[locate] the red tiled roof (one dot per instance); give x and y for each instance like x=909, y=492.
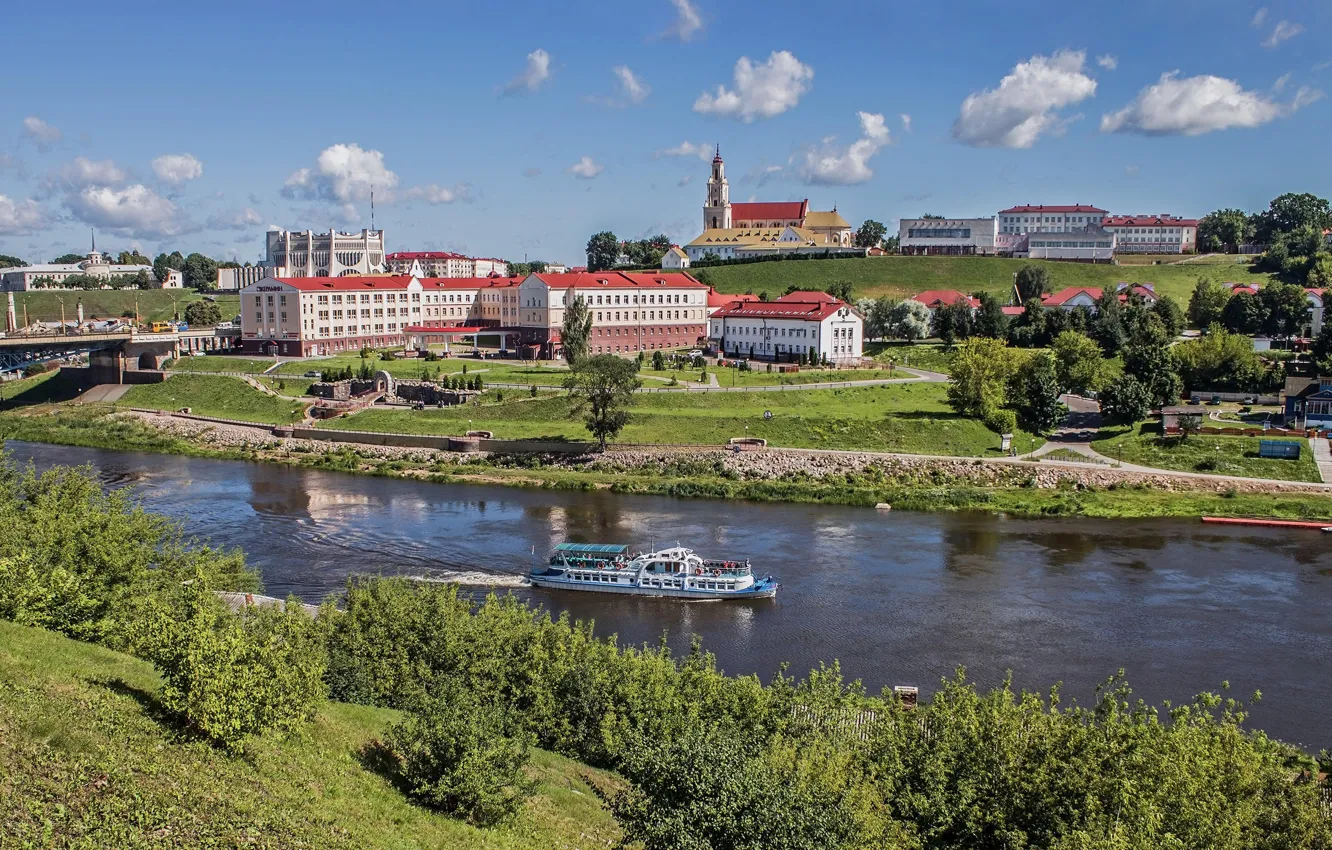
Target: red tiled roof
x=770, y=210
x=425, y=255
x=782, y=308
x=934, y=297
x=1246, y=288
x=717, y=299
x=1013, y=311
x=1038, y=208
x=620, y=280
x=809, y=295
x=1148, y=221
x=468, y=282
x=1063, y=296
x=366, y=282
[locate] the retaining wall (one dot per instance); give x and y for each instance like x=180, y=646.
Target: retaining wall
x=441, y=443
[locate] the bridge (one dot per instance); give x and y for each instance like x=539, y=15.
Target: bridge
x=111, y=350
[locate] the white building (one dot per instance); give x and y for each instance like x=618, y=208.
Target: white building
x=795, y=324
x=1040, y=218
x=675, y=258
x=1093, y=244
x=947, y=235
x=489, y=266
x=333, y=254
x=52, y=275
x=236, y=279
x=432, y=263
x=1153, y=234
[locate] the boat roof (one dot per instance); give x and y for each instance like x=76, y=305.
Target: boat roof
x=593, y=548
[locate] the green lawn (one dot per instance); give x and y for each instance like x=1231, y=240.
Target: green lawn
x=1216, y=455
x=285, y=385
x=409, y=368
x=221, y=363
x=214, y=395
x=910, y=418
x=929, y=356
x=88, y=760
x=901, y=277
x=154, y=305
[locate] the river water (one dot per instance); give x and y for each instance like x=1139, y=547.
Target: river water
x=899, y=598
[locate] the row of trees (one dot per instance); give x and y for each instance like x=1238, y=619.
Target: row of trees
x=1292, y=229
x=604, y=251
x=1277, y=309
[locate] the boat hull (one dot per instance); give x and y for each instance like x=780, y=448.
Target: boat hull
x=761, y=591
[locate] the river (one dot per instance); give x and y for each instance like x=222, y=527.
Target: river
x=898, y=598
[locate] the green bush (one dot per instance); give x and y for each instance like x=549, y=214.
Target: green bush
x=1001, y=420
x=229, y=676
x=458, y=756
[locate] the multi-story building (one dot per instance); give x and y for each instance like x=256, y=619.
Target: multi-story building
x=237, y=278
x=1153, y=234
x=947, y=235
x=796, y=324
x=1088, y=244
x=333, y=254
x=630, y=311
x=1039, y=218
x=431, y=263
x=52, y=275
x=489, y=267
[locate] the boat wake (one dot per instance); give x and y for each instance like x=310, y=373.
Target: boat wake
x=472, y=578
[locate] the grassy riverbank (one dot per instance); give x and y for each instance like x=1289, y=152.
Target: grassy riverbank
x=214, y=395
x=1144, y=445
x=684, y=478
x=89, y=761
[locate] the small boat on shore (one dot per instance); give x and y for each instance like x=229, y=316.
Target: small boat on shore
x=676, y=573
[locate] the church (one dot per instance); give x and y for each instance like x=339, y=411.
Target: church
x=765, y=228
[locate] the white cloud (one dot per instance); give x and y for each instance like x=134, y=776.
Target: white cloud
x=435, y=194
x=239, y=220
x=19, y=216
x=1280, y=82
x=846, y=166
x=176, y=168
x=344, y=173
x=1023, y=107
x=761, y=91
x=535, y=72
x=586, y=168
x=1108, y=61
x=687, y=21
x=685, y=180
x=43, y=134
x=1258, y=18
x=135, y=209
x=1130, y=170
x=87, y=172
x=702, y=151
x=1283, y=31
x=1196, y=105
x=1323, y=66
x=906, y=122
x=631, y=86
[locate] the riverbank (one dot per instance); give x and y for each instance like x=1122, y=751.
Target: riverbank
x=906, y=482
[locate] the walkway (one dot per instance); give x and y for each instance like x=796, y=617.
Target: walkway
x=1322, y=453
x=104, y=393
x=1076, y=433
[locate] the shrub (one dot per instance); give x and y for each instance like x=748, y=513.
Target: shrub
x=228, y=676
x=387, y=356
x=459, y=757
x=1001, y=420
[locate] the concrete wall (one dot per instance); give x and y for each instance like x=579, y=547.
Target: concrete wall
x=441, y=443
x=86, y=376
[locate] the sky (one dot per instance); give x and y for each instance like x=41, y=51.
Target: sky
x=517, y=129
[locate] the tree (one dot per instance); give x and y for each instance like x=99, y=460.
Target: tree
x=576, y=332
x=1291, y=212
x=200, y=272
x=978, y=377
x=1285, y=309
x=1107, y=327
x=65, y=259
x=879, y=317
x=1078, y=363
x=1221, y=360
x=1224, y=231
x=132, y=258
x=1035, y=394
x=603, y=249
x=1148, y=358
x=870, y=234
x=909, y=320
x=163, y=263
x=839, y=289
x=1244, y=314
x=1207, y=302
x=1172, y=318
x=8, y=261
x=989, y=320
x=1029, y=330
x=951, y=322
x=202, y=313
x=1032, y=282
x=1320, y=272
x=1125, y=400
x=892, y=243
x=462, y=757
x=1188, y=423
x=602, y=388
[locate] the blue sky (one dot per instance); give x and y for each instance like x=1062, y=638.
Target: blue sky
x=505, y=129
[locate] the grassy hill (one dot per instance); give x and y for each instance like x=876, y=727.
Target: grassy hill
x=902, y=277
x=155, y=305
x=214, y=395
x=87, y=760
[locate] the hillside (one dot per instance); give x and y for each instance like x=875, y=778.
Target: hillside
x=902, y=277
x=155, y=305
x=87, y=761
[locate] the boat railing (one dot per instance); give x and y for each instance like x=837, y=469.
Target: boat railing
x=738, y=568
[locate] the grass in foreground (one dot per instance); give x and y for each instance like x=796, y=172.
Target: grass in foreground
x=910, y=418
x=1215, y=455
x=88, y=761
x=214, y=395
x=220, y=363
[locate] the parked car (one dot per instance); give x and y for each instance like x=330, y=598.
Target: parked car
x=1216, y=399
x=313, y=374
x=224, y=326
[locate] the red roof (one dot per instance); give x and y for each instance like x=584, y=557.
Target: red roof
x=1148, y=221
x=770, y=210
x=786, y=307
x=468, y=282
x=425, y=255
x=934, y=297
x=428, y=329
x=1246, y=288
x=1063, y=296
x=620, y=280
x=1038, y=208
x=366, y=282
x=717, y=299
x=1013, y=311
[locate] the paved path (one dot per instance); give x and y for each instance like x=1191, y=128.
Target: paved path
x=1322, y=453
x=104, y=393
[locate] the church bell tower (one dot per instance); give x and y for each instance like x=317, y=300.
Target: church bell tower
x=717, y=211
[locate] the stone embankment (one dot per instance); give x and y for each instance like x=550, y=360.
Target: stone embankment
x=763, y=465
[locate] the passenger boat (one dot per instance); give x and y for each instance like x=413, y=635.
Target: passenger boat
x=676, y=573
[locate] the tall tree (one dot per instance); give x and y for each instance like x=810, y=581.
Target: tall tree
x=163, y=263
x=951, y=322
x=1125, y=400
x=1148, y=358
x=200, y=272
x=602, y=387
x=1078, y=362
x=1207, y=302
x=1172, y=318
x=1107, y=327
x=989, y=319
x=1290, y=212
x=1032, y=282
x=870, y=233
x=879, y=317
x=1035, y=394
x=1224, y=231
x=909, y=320
x=69, y=258
x=978, y=376
x=602, y=251
x=7, y=261
x=1285, y=307
x=1244, y=314
x=577, y=329
x=202, y=313
x=132, y=258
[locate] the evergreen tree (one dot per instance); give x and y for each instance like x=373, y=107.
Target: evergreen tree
x=989, y=320
x=576, y=333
